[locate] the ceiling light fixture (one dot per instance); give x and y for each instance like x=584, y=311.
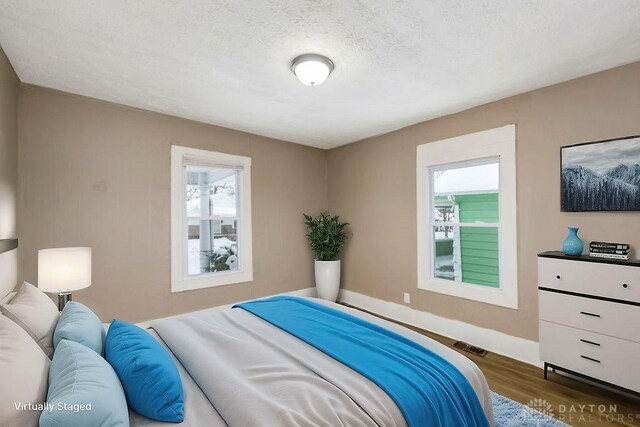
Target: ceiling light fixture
x=311, y=69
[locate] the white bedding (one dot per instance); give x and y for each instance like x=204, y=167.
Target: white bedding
x=197, y=408
x=256, y=374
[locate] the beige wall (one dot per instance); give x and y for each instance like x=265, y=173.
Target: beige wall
x=98, y=174
x=9, y=85
x=372, y=184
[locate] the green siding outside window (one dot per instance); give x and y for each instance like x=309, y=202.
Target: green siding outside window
x=479, y=245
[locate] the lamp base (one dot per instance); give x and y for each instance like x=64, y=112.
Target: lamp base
x=63, y=299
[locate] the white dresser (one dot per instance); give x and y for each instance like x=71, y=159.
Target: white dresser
x=589, y=311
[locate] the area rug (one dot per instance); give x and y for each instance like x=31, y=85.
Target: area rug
x=509, y=413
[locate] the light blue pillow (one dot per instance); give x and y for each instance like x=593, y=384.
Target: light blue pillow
x=148, y=375
x=83, y=390
x=79, y=324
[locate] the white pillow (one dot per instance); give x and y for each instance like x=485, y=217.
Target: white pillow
x=23, y=369
x=8, y=297
x=34, y=312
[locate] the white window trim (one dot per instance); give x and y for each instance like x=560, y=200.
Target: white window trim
x=498, y=142
x=179, y=228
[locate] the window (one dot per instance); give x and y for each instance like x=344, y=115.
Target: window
x=210, y=219
x=467, y=217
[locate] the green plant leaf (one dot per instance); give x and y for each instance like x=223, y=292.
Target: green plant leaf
x=326, y=234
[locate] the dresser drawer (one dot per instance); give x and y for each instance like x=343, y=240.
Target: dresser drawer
x=592, y=278
x=599, y=356
x=608, y=318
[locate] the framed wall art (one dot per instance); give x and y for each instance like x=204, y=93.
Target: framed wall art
x=601, y=175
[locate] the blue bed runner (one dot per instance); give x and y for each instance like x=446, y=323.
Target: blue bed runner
x=428, y=390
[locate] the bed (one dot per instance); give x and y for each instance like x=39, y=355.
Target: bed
x=240, y=370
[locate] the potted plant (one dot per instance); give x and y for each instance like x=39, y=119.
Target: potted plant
x=327, y=237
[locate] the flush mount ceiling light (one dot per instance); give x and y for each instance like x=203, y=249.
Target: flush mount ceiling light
x=312, y=69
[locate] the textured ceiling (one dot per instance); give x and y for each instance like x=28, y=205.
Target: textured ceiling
x=398, y=62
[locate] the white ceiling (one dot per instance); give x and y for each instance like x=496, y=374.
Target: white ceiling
x=398, y=62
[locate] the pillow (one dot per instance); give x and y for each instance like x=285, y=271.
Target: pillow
x=8, y=297
x=23, y=373
x=83, y=390
x=150, y=378
x=34, y=312
x=79, y=324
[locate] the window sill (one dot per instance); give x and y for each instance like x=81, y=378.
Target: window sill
x=479, y=293
x=210, y=281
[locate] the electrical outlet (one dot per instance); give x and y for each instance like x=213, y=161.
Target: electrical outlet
x=407, y=298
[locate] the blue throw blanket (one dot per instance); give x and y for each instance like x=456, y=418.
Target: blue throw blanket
x=428, y=390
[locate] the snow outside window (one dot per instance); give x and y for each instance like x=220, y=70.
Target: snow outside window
x=465, y=222
x=211, y=219
x=467, y=217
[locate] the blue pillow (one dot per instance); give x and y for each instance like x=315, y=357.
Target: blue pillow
x=150, y=379
x=79, y=324
x=83, y=390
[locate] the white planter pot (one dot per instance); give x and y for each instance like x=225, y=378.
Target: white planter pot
x=328, y=279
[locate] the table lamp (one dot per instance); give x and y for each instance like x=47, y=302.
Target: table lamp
x=64, y=270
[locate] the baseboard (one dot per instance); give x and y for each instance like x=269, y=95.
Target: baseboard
x=507, y=345
x=306, y=292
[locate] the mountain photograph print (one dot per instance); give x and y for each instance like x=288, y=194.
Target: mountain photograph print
x=601, y=176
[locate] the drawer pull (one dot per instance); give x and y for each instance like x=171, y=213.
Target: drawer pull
x=590, y=342
x=558, y=277
x=589, y=358
x=624, y=285
x=589, y=314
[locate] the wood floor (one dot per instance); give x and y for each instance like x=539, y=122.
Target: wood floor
x=575, y=402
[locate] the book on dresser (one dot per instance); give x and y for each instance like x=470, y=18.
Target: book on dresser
x=609, y=255
x=589, y=312
x=610, y=250
x=609, y=245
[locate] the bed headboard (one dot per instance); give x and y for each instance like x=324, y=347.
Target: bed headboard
x=8, y=265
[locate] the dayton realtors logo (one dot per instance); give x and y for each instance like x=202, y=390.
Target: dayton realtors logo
x=538, y=409
x=595, y=413
x=598, y=414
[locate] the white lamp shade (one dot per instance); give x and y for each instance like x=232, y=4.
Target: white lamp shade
x=64, y=269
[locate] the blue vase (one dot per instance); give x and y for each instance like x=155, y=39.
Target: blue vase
x=572, y=245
